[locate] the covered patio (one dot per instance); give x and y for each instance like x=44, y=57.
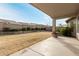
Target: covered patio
x=58, y=11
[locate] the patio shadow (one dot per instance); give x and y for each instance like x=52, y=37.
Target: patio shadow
x=70, y=46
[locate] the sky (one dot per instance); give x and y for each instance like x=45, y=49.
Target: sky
x=21, y=12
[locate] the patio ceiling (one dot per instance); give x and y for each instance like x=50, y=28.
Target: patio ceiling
x=58, y=10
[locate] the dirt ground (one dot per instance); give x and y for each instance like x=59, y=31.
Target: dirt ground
x=12, y=43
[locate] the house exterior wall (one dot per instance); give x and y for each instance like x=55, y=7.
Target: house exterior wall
x=72, y=23
x=15, y=26
x=12, y=26
x=1, y=26
x=77, y=27
x=75, y=23
x=18, y=26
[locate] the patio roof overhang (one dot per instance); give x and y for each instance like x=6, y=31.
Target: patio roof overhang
x=58, y=10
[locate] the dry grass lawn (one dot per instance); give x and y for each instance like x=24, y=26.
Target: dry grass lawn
x=12, y=43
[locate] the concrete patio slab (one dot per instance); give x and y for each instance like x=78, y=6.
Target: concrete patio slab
x=61, y=46
x=51, y=47
x=26, y=52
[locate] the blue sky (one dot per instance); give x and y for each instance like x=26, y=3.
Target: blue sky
x=25, y=13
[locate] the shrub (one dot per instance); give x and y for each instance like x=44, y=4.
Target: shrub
x=23, y=29
x=36, y=28
x=13, y=30
x=66, y=31
x=42, y=28
x=28, y=28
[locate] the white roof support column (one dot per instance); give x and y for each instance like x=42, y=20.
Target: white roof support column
x=54, y=28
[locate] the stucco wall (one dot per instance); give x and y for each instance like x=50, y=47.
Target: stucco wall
x=72, y=23
x=14, y=25
x=77, y=27
x=1, y=26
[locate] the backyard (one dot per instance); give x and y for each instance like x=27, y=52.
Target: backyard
x=13, y=43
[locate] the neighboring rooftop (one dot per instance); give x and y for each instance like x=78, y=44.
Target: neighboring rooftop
x=20, y=23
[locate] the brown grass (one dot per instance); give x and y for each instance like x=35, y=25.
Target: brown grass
x=12, y=43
